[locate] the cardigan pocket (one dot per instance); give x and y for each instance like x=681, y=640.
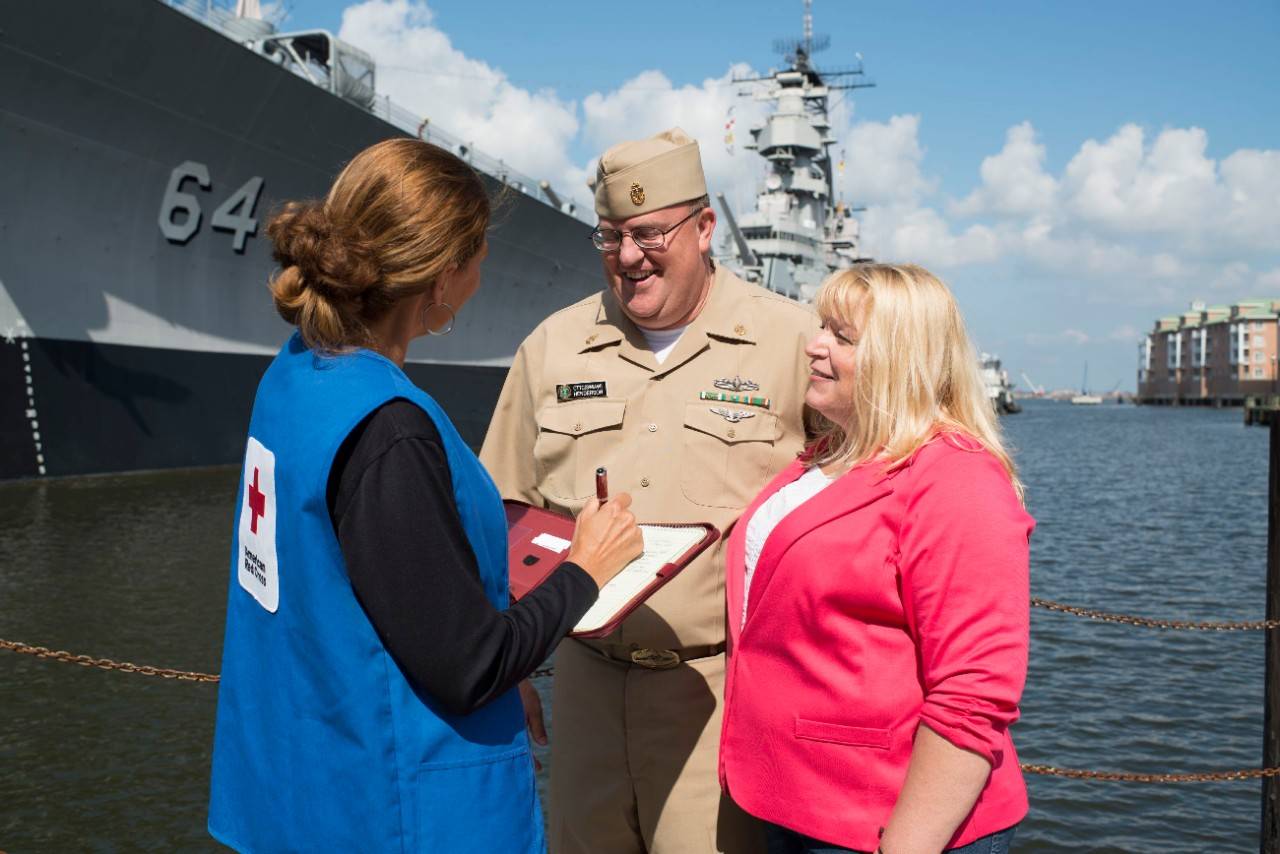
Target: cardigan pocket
x=853, y=736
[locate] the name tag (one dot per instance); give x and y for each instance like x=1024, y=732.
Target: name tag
x=577, y=391
x=258, y=570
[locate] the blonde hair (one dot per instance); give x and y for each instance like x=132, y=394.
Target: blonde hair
x=917, y=377
x=401, y=213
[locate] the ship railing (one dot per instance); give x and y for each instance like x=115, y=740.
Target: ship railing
x=423, y=128
x=242, y=30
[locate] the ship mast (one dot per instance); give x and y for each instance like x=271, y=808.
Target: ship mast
x=798, y=232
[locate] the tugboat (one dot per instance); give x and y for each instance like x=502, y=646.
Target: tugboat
x=1084, y=398
x=999, y=390
x=798, y=233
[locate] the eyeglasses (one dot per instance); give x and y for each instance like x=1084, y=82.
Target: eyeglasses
x=644, y=236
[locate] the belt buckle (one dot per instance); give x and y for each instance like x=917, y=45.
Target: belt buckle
x=655, y=659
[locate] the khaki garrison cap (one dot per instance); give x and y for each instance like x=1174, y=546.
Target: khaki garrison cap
x=648, y=174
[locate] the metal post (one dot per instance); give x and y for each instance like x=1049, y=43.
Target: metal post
x=1270, y=837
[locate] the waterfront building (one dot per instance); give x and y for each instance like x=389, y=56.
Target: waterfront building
x=1211, y=355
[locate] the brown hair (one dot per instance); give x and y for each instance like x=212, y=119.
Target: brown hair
x=401, y=213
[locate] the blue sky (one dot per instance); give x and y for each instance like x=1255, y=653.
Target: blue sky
x=1132, y=149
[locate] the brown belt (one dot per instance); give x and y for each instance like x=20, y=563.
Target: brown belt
x=656, y=659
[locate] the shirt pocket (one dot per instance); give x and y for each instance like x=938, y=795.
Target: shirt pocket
x=573, y=439
x=725, y=463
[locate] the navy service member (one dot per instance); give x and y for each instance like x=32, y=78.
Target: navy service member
x=687, y=384
x=368, y=696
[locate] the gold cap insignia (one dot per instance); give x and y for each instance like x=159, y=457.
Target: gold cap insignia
x=637, y=195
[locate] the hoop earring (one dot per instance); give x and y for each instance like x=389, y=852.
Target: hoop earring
x=452, y=318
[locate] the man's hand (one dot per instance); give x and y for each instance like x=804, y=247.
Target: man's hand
x=533, y=717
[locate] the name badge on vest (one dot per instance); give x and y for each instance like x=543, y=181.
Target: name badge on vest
x=258, y=571
x=577, y=391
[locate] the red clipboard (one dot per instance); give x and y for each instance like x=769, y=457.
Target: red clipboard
x=537, y=543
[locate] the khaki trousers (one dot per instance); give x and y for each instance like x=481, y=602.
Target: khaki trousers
x=634, y=758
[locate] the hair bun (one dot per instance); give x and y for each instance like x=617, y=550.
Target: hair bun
x=334, y=261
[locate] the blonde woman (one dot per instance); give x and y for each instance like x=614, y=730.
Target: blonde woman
x=878, y=595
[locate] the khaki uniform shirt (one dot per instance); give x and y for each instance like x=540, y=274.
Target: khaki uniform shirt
x=584, y=391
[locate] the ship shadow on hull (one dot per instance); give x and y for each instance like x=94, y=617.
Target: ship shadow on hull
x=110, y=408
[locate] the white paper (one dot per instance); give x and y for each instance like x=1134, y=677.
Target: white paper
x=551, y=542
x=662, y=545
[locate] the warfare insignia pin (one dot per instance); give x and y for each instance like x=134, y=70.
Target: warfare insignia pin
x=637, y=195
x=737, y=384
x=733, y=416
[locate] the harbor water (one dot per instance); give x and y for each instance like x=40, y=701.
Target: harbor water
x=1149, y=511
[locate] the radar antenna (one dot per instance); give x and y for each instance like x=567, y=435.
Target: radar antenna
x=798, y=51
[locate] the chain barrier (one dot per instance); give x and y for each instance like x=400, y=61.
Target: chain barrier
x=1129, y=777
x=143, y=669
x=1043, y=770
x=106, y=663
x=1149, y=623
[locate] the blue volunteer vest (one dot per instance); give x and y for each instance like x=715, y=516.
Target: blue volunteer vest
x=321, y=742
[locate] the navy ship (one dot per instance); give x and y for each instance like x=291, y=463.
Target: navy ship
x=144, y=144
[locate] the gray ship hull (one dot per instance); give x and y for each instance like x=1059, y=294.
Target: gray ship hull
x=125, y=349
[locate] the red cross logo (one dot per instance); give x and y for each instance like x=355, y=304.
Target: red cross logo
x=257, y=502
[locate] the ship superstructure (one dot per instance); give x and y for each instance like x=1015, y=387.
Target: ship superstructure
x=799, y=231
x=996, y=381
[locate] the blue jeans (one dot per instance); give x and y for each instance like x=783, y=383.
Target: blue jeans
x=781, y=840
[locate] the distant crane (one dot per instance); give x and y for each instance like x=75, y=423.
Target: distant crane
x=1037, y=390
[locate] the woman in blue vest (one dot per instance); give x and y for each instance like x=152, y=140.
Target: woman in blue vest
x=368, y=696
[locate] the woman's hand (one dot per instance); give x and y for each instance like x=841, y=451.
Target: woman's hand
x=606, y=538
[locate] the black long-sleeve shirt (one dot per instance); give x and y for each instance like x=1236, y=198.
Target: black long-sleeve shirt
x=390, y=498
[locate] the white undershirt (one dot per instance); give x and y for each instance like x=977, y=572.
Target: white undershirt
x=773, y=511
x=663, y=341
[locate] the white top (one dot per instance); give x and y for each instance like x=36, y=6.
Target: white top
x=663, y=341
x=773, y=511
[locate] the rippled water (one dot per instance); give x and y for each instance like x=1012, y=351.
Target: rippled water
x=1162, y=513
x=1151, y=511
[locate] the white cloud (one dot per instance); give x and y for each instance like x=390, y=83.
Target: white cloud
x=1056, y=339
x=1252, y=185
x=1233, y=277
x=922, y=235
x=419, y=68
x=1269, y=282
x=1172, y=189
x=884, y=162
x=1013, y=181
x=1124, y=333
x=649, y=102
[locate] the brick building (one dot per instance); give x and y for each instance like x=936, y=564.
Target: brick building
x=1211, y=355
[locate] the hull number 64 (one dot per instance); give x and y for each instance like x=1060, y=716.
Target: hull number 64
x=180, y=212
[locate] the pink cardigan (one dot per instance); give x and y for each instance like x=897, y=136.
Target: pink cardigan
x=884, y=602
